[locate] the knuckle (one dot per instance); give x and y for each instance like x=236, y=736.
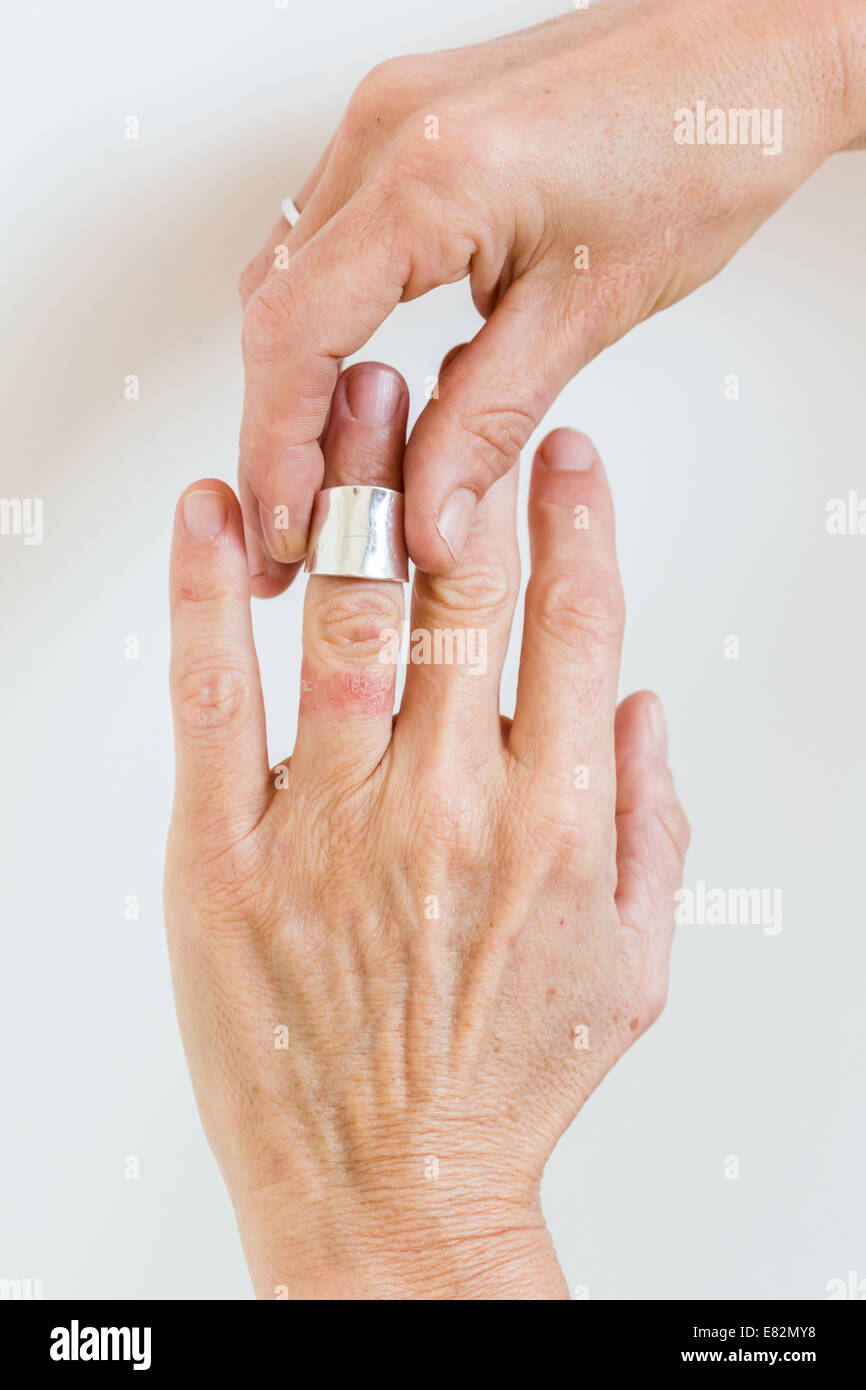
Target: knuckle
x=225, y=890
x=675, y=824
x=351, y=621
x=563, y=839
x=483, y=590
x=653, y=999
x=431, y=235
x=447, y=821
x=386, y=88
x=200, y=593
x=556, y=840
x=608, y=306
x=659, y=821
x=211, y=697
x=271, y=314
x=412, y=165
x=645, y=982
x=582, y=608
x=501, y=434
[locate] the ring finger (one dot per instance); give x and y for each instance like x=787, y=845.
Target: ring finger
x=347, y=681
x=280, y=234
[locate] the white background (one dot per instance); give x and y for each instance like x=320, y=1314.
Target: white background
x=122, y=257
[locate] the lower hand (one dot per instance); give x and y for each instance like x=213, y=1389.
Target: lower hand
x=404, y=959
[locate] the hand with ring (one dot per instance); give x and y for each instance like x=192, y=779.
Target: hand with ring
x=568, y=172
x=405, y=956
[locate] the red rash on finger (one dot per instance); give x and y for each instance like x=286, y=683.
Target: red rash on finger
x=359, y=690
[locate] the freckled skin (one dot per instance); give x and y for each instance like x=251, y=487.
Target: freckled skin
x=402, y=966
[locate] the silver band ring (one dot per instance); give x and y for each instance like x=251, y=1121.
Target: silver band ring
x=358, y=532
x=290, y=212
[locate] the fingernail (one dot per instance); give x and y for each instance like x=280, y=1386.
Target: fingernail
x=659, y=728
x=282, y=541
x=205, y=514
x=373, y=395
x=257, y=561
x=455, y=518
x=567, y=449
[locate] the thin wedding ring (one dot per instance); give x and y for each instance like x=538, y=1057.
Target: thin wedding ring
x=290, y=212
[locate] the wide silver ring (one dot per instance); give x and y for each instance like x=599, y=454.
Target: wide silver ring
x=289, y=211
x=358, y=532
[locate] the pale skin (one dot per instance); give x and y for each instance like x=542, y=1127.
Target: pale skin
x=557, y=138
x=405, y=957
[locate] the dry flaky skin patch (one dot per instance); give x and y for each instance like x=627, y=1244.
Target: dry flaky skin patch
x=357, y=689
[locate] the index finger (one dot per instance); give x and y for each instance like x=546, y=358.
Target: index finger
x=222, y=784
x=298, y=327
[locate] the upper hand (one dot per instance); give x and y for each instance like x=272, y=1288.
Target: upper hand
x=555, y=182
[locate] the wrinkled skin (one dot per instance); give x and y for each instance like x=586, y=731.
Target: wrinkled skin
x=405, y=957
x=548, y=140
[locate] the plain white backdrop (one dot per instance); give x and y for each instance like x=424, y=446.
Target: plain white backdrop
x=121, y=257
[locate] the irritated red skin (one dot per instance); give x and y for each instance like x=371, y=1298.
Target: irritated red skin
x=358, y=690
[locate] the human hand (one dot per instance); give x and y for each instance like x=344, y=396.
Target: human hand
x=556, y=183
x=404, y=960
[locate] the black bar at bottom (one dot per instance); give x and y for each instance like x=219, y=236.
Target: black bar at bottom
x=70, y=1337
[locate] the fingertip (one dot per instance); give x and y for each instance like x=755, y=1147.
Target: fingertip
x=365, y=437
x=451, y=355
x=285, y=538
x=206, y=510
x=208, y=553
x=658, y=727
x=454, y=520
x=566, y=449
x=652, y=829
x=267, y=575
x=374, y=393
x=207, y=550
x=278, y=480
x=641, y=728
x=436, y=541
x=568, y=476
x=211, y=485
x=271, y=582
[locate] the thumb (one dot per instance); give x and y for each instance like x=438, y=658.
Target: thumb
x=490, y=397
x=652, y=837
